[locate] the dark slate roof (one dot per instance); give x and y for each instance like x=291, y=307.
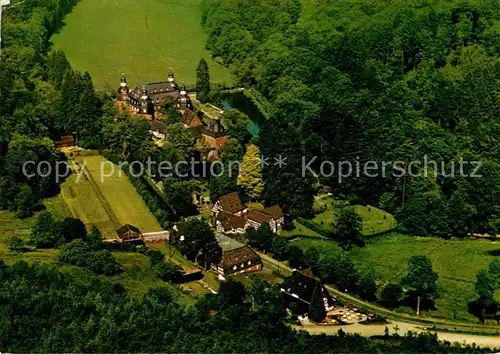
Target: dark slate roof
x=158, y=126
x=258, y=216
x=230, y=221
x=159, y=96
x=126, y=228
x=238, y=256
x=159, y=87
x=274, y=211
x=301, y=285
x=231, y=203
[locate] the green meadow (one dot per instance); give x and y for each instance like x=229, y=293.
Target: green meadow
x=142, y=39
x=105, y=197
x=456, y=261
x=374, y=220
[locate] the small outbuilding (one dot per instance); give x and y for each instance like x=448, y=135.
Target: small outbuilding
x=129, y=233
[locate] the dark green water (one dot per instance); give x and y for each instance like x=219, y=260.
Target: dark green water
x=244, y=104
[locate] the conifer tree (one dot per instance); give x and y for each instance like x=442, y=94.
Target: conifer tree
x=317, y=311
x=250, y=178
x=202, y=80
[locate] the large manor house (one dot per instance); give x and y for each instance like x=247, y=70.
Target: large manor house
x=149, y=100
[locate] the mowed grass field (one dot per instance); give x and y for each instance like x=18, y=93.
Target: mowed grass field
x=142, y=39
x=103, y=196
x=374, y=220
x=456, y=261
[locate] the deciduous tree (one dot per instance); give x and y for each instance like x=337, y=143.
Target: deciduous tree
x=250, y=178
x=421, y=280
x=348, y=228
x=391, y=295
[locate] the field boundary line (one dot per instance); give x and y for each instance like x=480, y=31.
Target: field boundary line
x=102, y=198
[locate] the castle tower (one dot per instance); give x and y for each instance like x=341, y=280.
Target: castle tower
x=171, y=81
x=184, y=102
x=123, y=90
x=146, y=103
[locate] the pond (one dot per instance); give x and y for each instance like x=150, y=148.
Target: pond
x=244, y=104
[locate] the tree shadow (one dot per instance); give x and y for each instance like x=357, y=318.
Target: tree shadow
x=495, y=253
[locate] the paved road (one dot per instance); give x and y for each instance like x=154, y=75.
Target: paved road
x=404, y=322
x=402, y=328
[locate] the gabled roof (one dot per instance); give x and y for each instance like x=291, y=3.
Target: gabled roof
x=181, y=227
x=188, y=116
x=126, y=228
x=214, y=134
x=274, y=211
x=300, y=285
x=231, y=203
x=258, y=216
x=230, y=221
x=239, y=256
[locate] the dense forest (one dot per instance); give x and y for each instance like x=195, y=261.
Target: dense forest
x=378, y=81
x=44, y=310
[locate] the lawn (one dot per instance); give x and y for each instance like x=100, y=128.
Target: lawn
x=142, y=39
x=374, y=219
x=456, y=262
x=106, y=198
x=125, y=203
x=299, y=230
x=137, y=278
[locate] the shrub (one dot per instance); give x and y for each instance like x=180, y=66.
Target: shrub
x=18, y=245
